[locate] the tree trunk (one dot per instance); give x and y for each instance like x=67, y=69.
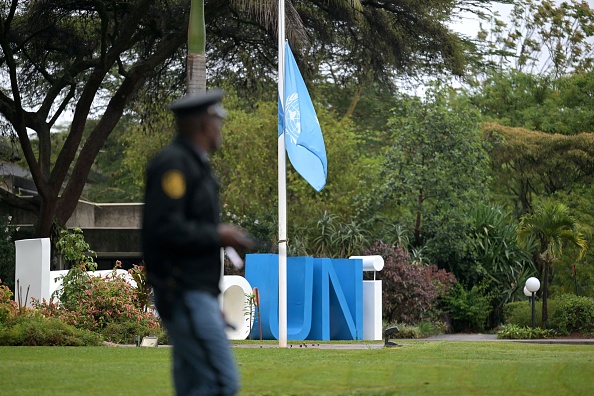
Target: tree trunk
x=196, y=67
x=47, y=214
x=355, y=101
x=545, y=293
x=196, y=73
x=418, y=223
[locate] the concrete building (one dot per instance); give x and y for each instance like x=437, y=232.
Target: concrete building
x=111, y=229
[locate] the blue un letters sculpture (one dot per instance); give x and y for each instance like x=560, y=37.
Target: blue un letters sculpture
x=324, y=297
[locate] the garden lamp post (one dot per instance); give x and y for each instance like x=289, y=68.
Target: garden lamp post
x=528, y=294
x=532, y=286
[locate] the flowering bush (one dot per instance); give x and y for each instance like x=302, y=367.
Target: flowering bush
x=104, y=302
x=8, y=307
x=410, y=291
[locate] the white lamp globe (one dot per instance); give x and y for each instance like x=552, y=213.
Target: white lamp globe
x=527, y=292
x=532, y=284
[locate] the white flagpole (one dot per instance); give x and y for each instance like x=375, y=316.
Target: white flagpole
x=282, y=190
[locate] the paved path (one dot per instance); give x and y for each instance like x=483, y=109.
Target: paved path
x=463, y=337
x=493, y=337
x=443, y=337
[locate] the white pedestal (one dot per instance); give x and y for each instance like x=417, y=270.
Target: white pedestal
x=32, y=269
x=235, y=306
x=372, y=310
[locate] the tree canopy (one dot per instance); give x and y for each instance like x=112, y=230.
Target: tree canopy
x=93, y=57
x=89, y=57
x=528, y=163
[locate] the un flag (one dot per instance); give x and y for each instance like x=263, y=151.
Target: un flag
x=303, y=135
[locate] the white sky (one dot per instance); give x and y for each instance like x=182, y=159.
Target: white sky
x=469, y=24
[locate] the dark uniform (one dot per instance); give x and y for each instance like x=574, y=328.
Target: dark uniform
x=181, y=246
x=182, y=256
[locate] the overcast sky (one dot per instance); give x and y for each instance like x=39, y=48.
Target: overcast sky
x=469, y=23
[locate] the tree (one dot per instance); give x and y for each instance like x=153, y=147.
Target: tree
x=501, y=265
x=528, y=163
x=563, y=105
x=196, y=69
x=437, y=170
x=63, y=55
x=341, y=43
x=543, y=37
x=553, y=227
x=93, y=57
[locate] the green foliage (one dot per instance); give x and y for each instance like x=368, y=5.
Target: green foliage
x=515, y=332
x=7, y=251
x=562, y=105
x=75, y=250
x=573, y=314
x=329, y=236
x=520, y=312
x=414, y=331
x=126, y=331
x=435, y=170
x=571, y=276
x=36, y=330
x=77, y=253
x=407, y=331
x=468, y=308
x=498, y=258
x=103, y=302
x=155, y=131
x=110, y=178
x=552, y=227
x=143, y=288
x=249, y=176
x=526, y=163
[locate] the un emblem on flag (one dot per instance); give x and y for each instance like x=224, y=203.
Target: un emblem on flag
x=293, y=117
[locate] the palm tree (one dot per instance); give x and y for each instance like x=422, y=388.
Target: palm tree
x=265, y=11
x=552, y=227
x=196, y=81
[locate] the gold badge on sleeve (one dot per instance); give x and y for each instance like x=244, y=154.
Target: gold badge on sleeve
x=173, y=183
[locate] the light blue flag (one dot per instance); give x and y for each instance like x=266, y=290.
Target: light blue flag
x=303, y=135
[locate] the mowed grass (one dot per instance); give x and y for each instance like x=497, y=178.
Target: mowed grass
x=418, y=368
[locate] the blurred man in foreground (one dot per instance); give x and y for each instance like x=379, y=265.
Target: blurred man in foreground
x=182, y=237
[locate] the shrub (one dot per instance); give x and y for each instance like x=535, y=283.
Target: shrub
x=423, y=329
x=520, y=312
x=514, y=332
x=125, y=332
x=77, y=253
x=469, y=309
x=36, y=330
x=143, y=288
x=405, y=330
x=107, y=305
x=429, y=329
x=75, y=250
x=410, y=291
x=573, y=314
x=8, y=307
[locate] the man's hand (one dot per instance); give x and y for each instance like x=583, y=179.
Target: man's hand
x=235, y=237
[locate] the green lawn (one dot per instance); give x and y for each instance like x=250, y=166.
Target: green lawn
x=441, y=368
